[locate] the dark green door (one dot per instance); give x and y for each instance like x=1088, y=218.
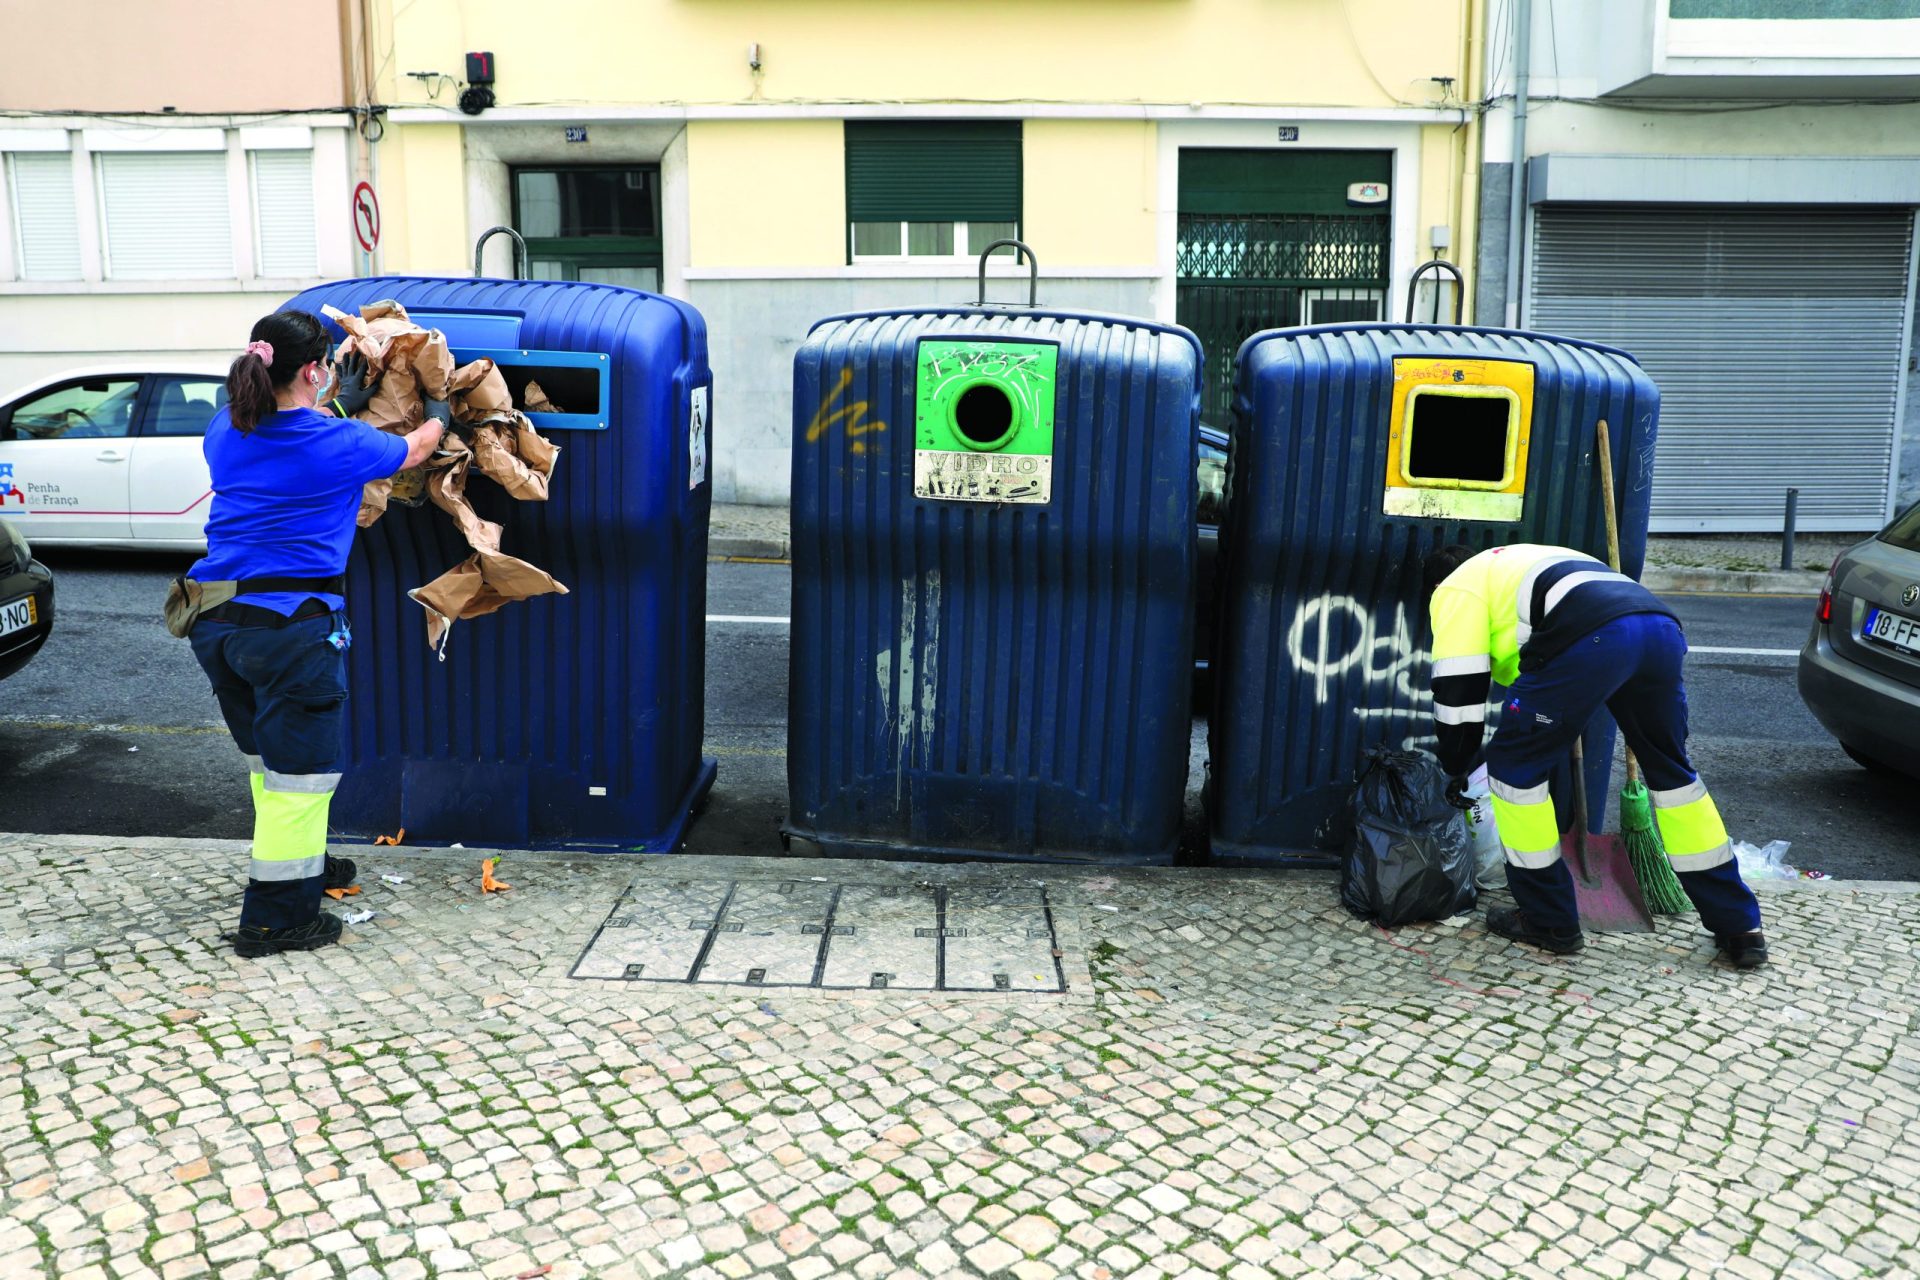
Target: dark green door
x=599, y=224
x=1271, y=239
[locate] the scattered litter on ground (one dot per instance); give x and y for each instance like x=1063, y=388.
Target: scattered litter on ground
x=456, y=846
x=487, y=883
x=132, y=749
x=1769, y=862
x=1104, y=907
x=393, y=839
x=391, y=878
x=358, y=917
x=768, y=1009
x=337, y=894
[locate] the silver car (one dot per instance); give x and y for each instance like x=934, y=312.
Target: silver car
x=1860, y=670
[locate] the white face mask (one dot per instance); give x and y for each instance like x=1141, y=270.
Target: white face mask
x=327, y=390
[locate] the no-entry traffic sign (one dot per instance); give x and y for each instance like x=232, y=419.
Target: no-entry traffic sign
x=366, y=216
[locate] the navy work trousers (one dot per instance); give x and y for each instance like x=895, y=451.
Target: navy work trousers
x=283, y=693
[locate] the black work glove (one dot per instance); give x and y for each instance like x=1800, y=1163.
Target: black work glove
x=356, y=384
x=1457, y=793
x=441, y=412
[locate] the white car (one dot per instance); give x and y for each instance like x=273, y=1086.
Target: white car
x=111, y=457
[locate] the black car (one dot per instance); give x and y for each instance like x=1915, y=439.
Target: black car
x=26, y=601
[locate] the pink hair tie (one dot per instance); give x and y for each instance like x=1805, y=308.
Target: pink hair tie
x=262, y=349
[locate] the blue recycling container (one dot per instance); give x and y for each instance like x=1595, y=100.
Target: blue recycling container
x=563, y=720
x=1356, y=450
x=993, y=576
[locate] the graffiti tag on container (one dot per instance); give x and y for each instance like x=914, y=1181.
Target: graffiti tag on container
x=851, y=418
x=963, y=476
x=1336, y=642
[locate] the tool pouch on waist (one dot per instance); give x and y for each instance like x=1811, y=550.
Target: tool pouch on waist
x=189, y=598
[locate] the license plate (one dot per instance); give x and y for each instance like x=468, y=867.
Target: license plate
x=18, y=615
x=1892, y=630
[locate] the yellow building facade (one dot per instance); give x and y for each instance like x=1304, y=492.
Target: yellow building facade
x=1230, y=164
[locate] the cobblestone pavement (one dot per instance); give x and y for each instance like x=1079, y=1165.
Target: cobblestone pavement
x=1237, y=1080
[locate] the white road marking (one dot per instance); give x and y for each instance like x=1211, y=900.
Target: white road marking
x=767, y=620
x=1744, y=653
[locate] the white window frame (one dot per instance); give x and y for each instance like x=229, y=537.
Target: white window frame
x=959, y=254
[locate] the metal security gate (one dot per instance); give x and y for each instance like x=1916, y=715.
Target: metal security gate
x=1777, y=337
x=1269, y=240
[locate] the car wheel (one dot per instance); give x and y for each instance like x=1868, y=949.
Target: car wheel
x=1871, y=765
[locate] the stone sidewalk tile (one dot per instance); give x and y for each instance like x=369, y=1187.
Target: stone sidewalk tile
x=1239, y=1080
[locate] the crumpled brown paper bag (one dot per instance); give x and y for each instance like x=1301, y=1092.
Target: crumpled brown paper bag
x=480, y=584
x=414, y=365
x=394, y=344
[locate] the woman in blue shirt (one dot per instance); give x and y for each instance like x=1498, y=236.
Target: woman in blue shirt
x=286, y=488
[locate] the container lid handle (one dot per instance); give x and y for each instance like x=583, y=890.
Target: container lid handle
x=1022, y=254
x=519, y=251
x=1437, y=266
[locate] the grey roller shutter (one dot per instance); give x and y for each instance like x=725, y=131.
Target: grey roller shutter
x=1776, y=336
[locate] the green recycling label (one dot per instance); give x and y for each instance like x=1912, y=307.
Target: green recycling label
x=983, y=420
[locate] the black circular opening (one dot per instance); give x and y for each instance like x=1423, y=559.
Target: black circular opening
x=983, y=415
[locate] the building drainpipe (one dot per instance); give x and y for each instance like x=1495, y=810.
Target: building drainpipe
x=1517, y=204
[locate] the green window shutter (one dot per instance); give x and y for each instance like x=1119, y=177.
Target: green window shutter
x=933, y=171
x=1245, y=183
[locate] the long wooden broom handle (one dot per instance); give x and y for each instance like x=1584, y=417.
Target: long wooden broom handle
x=1613, y=547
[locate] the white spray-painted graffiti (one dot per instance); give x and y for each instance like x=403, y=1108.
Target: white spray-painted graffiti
x=908, y=701
x=1332, y=637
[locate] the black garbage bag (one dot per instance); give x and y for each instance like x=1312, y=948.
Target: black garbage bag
x=1410, y=857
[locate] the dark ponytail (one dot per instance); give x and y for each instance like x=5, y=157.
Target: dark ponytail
x=297, y=339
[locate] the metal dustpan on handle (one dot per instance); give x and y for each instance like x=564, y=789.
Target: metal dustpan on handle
x=1603, y=881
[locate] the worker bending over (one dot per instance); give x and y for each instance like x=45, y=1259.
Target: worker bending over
x=1567, y=635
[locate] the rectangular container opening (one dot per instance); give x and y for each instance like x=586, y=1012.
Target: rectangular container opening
x=572, y=389
x=1460, y=438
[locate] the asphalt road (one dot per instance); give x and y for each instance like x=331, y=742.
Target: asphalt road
x=111, y=730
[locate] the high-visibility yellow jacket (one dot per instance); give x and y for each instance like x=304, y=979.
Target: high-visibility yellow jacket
x=1509, y=609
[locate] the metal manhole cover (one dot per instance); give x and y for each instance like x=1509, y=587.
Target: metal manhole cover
x=809, y=933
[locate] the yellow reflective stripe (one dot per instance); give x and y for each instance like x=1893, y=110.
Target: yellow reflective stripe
x=1528, y=831
x=290, y=825
x=1693, y=832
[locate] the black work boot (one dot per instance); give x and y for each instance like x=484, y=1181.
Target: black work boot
x=340, y=873
x=1743, y=950
x=251, y=942
x=1510, y=923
